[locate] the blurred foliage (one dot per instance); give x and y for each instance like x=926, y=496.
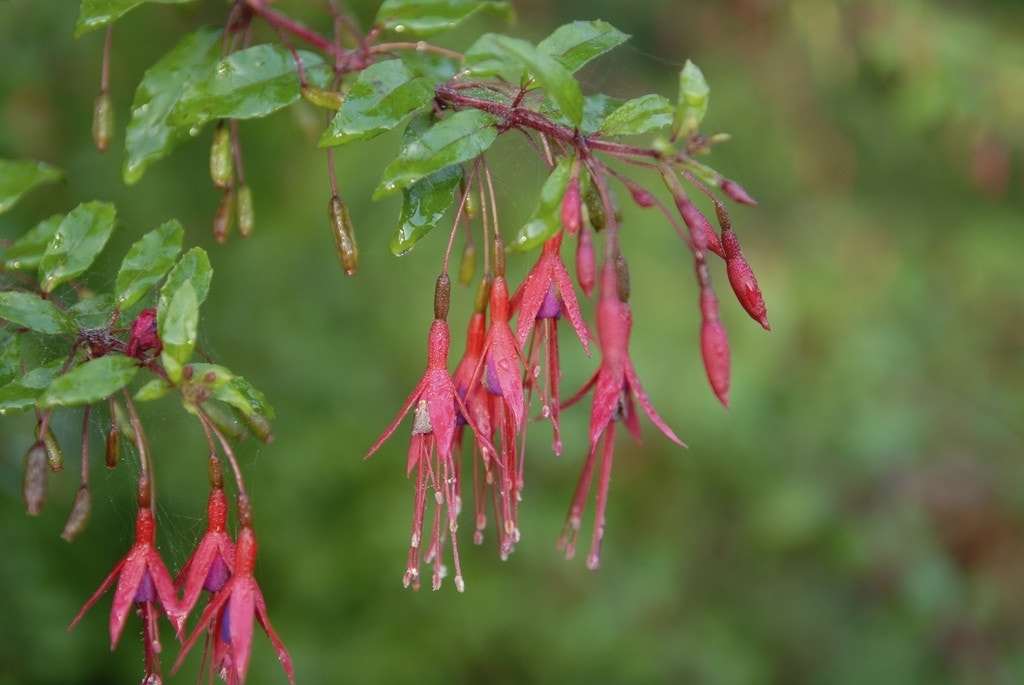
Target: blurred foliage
x=856, y=517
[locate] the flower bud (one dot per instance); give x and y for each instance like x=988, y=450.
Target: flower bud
x=641, y=196
x=225, y=217
x=467, y=266
x=54, y=454
x=571, y=207
x=714, y=346
x=736, y=192
x=701, y=231
x=259, y=426
x=221, y=167
x=328, y=99
x=102, y=121
x=586, y=261
x=113, y=453
x=442, y=296
x=741, y=278
x=243, y=206
x=470, y=205
x=81, y=507
x=595, y=208
x=344, y=235
x=33, y=484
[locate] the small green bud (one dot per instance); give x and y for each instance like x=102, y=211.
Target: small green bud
x=224, y=219
x=243, y=206
x=259, y=426
x=467, y=267
x=113, y=453
x=54, y=454
x=328, y=99
x=102, y=121
x=33, y=484
x=221, y=167
x=344, y=235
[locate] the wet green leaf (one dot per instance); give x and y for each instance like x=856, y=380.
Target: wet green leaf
x=459, y=138
x=379, y=99
x=548, y=217
x=148, y=136
x=194, y=267
x=426, y=17
x=153, y=390
x=250, y=83
x=33, y=312
x=10, y=355
x=147, y=261
x=96, y=14
x=90, y=382
x=27, y=250
x=538, y=68
x=423, y=205
x=693, y=102
x=19, y=176
x=23, y=393
x=178, y=324
x=639, y=115
x=75, y=245
x=575, y=44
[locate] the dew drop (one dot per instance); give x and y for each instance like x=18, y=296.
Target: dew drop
x=545, y=411
x=460, y=584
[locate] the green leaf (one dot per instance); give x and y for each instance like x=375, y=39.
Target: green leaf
x=382, y=95
x=194, y=267
x=544, y=70
x=98, y=13
x=148, y=136
x=90, y=382
x=426, y=17
x=459, y=138
x=639, y=115
x=548, y=217
x=177, y=324
x=575, y=44
x=250, y=83
x=19, y=176
x=35, y=313
x=27, y=250
x=10, y=355
x=23, y=393
x=153, y=390
x=254, y=400
x=693, y=102
x=75, y=245
x=147, y=261
x=93, y=311
x=423, y=205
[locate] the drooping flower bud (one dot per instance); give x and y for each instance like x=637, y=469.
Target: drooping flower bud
x=344, y=236
x=113, y=453
x=742, y=280
x=736, y=192
x=571, y=207
x=470, y=205
x=243, y=205
x=714, y=346
x=595, y=208
x=33, y=484
x=467, y=266
x=701, y=231
x=221, y=162
x=259, y=426
x=586, y=261
x=442, y=296
x=102, y=121
x=54, y=454
x=641, y=196
x=225, y=217
x=81, y=508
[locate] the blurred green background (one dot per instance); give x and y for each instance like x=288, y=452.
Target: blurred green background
x=856, y=517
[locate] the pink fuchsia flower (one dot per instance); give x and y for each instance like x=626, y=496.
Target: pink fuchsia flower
x=229, y=617
x=143, y=581
x=211, y=564
x=616, y=390
x=142, y=335
x=545, y=293
x=434, y=404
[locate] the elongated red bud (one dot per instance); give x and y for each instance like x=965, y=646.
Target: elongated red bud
x=221, y=166
x=243, y=207
x=701, y=231
x=586, y=261
x=102, y=122
x=81, y=508
x=224, y=219
x=714, y=346
x=571, y=207
x=344, y=236
x=33, y=484
x=641, y=196
x=741, y=277
x=736, y=192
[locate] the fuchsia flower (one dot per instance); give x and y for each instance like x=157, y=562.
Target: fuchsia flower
x=142, y=335
x=545, y=293
x=430, y=450
x=211, y=564
x=616, y=388
x=142, y=580
x=229, y=617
